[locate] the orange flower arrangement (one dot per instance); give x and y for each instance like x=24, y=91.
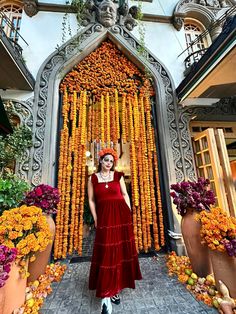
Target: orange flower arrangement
x=105, y=70
x=218, y=230
x=26, y=229
x=106, y=103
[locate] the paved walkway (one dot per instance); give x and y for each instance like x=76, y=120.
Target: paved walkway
x=156, y=293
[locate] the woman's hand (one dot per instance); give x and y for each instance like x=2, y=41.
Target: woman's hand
x=95, y=223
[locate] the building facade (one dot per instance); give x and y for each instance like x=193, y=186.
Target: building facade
x=45, y=41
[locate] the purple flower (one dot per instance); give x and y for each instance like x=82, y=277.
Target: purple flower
x=7, y=268
x=7, y=256
x=44, y=196
x=196, y=195
x=230, y=246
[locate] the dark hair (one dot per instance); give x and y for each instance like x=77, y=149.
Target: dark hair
x=100, y=164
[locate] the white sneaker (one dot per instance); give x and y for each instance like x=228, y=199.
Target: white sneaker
x=106, y=307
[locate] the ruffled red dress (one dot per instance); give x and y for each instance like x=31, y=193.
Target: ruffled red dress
x=114, y=263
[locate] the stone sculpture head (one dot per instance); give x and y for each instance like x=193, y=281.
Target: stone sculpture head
x=107, y=13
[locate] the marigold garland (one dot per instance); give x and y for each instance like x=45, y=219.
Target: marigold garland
x=108, y=138
x=106, y=100
x=102, y=122
x=105, y=70
x=117, y=116
x=159, y=203
x=124, y=123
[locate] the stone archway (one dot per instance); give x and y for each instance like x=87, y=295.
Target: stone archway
x=62, y=60
x=44, y=154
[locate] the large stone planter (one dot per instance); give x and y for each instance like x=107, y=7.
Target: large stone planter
x=197, y=253
x=224, y=269
x=38, y=267
x=12, y=294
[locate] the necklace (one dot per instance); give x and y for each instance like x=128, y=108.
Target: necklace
x=106, y=179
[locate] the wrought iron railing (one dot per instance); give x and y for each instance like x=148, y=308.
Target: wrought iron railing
x=195, y=56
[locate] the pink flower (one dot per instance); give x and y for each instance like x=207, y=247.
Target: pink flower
x=44, y=196
x=7, y=256
x=38, y=191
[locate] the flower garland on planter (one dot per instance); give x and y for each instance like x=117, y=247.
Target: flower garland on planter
x=106, y=103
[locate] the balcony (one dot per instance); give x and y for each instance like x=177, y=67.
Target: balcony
x=14, y=73
x=210, y=73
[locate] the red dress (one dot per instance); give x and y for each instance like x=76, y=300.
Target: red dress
x=114, y=263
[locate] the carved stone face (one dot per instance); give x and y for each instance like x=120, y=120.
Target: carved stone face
x=107, y=13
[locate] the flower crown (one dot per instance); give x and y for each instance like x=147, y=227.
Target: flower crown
x=108, y=151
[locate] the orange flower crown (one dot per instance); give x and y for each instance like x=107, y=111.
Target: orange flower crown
x=108, y=151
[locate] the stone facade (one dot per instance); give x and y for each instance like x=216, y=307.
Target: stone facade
x=108, y=20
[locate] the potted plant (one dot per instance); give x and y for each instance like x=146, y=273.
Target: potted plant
x=13, y=146
x=26, y=229
x=12, y=149
x=12, y=190
x=218, y=232
x=191, y=198
x=47, y=198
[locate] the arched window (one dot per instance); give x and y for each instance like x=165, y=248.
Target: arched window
x=197, y=40
x=10, y=20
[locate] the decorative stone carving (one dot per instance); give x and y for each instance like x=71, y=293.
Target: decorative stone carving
x=214, y=3
x=178, y=23
x=210, y=3
x=45, y=104
x=108, y=13
x=31, y=7
x=203, y=10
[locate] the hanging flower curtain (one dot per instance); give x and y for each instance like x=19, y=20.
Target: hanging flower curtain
x=106, y=100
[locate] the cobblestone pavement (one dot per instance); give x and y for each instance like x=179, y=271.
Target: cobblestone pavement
x=156, y=293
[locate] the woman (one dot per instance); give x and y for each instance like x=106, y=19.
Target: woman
x=114, y=263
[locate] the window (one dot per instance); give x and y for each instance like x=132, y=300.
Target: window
x=10, y=20
x=196, y=44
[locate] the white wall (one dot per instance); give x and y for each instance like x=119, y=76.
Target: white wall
x=166, y=44
x=43, y=32
x=158, y=7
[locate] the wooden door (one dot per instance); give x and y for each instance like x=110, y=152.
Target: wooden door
x=209, y=165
